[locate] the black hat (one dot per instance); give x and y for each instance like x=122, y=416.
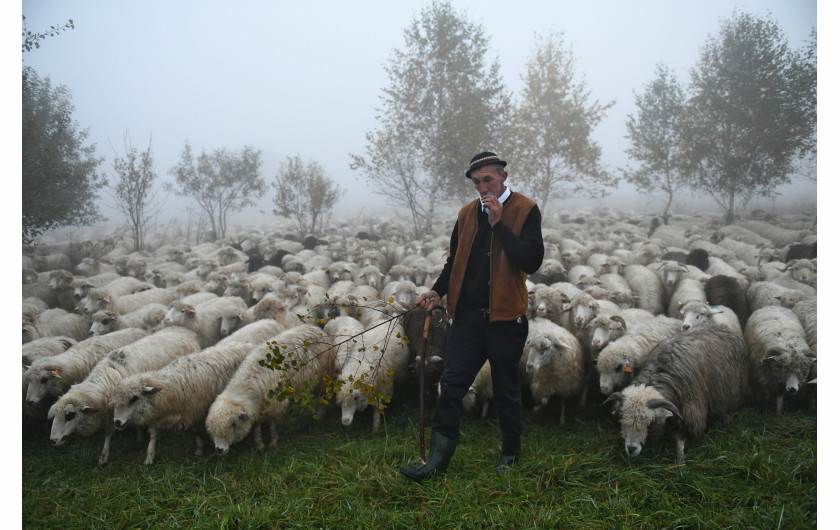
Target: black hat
x=484, y=159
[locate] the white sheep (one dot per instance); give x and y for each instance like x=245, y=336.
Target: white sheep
x=99, y=301
x=204, y=319
x=647, y=286
x=480, y=392
x=55, y=322
x=370, y=275
x=84, y=408
x=180, y=394
x=800, y=275
x=44, y=347
x=378, y=363
x=54, y=375
x=344, y=331
x=687, y=290
x=701, y=314
x=147, y=318
x=81, y=286
x=579, y=272
x=583, y=308
x=269, y=308
x=719, y=267
x=779, y=236
x=403, y=292
x=555, y=363
x=605, y=328
x=780, y=359
x=33, y=305
x=806, y=310
x=242, y=405
x=622, y=358
x=764, y=294
x=546, y=302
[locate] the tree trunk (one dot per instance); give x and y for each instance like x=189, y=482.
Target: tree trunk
x=665, y=215
x=730, y=213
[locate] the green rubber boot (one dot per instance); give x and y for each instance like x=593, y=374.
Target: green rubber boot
x=511, y=451
x=440, y=453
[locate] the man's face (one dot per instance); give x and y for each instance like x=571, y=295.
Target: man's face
x=489, y=179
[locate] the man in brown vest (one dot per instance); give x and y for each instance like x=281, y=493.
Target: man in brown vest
x=497, y=241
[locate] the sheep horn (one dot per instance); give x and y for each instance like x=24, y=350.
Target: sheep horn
x=615, y=396
x=620, y=320
x=667, y=405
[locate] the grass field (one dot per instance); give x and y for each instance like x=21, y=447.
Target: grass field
x=757, y=471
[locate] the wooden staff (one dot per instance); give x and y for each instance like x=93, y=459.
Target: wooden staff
x=421, y=376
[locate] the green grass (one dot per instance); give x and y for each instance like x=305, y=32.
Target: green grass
x=757, y=471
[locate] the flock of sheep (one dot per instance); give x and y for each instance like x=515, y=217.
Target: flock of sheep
x=674, y=324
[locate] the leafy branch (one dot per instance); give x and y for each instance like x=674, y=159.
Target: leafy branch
x=323, y=387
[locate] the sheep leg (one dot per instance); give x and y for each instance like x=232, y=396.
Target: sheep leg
x=258, y=441
x=150, y=450
x=199, y=445
x=563, y=412
x=376, y=419
x=680, y=450
x=780, y=401
x=106, y=448
x=485, y=408
x=272, y=434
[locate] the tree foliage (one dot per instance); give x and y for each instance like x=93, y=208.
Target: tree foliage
x=59, y=178
x=445, y=102
x=552, y=128
x=132, y=190
x=655, y=137
x=751, y=114
x=220, y=182
x=33, y=40
x=305, y=194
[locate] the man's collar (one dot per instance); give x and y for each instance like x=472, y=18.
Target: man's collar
x=502, y=199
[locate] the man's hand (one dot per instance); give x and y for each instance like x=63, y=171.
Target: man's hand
x=494, y=208
x=428, y=300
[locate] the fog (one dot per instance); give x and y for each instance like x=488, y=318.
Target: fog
x=302, y=78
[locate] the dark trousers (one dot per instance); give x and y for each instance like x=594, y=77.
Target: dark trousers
x=472, y=340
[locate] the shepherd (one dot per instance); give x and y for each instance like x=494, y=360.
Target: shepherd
x=496, y=242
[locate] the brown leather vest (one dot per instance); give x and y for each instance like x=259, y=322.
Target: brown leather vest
x=508, y=293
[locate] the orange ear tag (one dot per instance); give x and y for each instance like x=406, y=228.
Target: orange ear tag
x=628, y=369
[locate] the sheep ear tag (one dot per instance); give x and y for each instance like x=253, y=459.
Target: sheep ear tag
x=628, y=369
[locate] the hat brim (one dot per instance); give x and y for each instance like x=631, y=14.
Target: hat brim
x=485, y=163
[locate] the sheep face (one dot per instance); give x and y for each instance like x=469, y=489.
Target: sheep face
x=614, y=374
x=42, y=383
x=178, y=314
x=639, y=413
x=790, y=369
x=350, y=403
x=695, y=315
x=72, y=417
x=671, y=272
x=96, y=302
x=104, y=322
x=623, y=299
x=583, y=311
x=131, y=402
x=801, y=270
x=228, y=423
x=542, y=351
x=231, y=323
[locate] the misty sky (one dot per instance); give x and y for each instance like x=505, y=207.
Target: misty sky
x=304, y=78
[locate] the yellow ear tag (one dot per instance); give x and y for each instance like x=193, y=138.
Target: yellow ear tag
x=628, y=369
